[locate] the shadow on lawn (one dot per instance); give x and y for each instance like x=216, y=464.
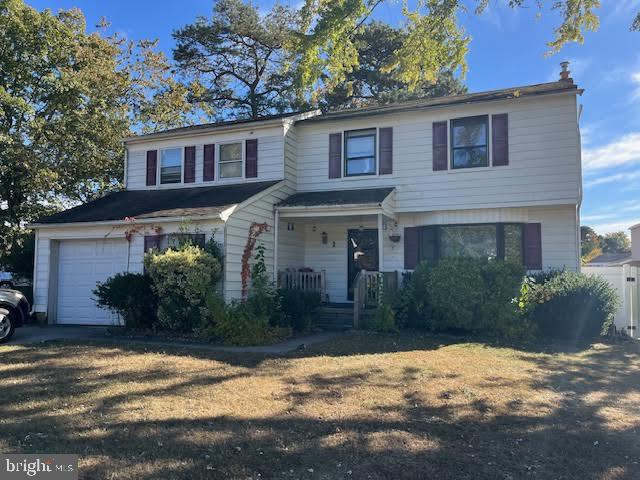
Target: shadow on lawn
x=411, y=439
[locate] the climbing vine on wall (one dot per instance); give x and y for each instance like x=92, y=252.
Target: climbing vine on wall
x=255, y=230
x=137, y=228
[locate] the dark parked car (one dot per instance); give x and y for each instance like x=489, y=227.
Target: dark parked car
x=14, y=312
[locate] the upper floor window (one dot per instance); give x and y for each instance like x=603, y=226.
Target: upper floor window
x=230, y=160
x=470, y=142
x=171, y=165
x=360, y=152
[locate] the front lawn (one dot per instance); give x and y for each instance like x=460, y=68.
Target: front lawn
x=363, y=406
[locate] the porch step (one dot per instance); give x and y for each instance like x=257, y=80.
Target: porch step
x=336, y=318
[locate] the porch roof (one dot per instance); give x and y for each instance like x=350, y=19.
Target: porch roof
x=343, y=202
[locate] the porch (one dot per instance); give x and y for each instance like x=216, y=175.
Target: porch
x=344, y=248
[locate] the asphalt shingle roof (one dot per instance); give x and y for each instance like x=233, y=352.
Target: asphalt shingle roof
x=175, y=202
x=374, y=196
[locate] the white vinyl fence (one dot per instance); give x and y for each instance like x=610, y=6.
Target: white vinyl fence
x=625, y=279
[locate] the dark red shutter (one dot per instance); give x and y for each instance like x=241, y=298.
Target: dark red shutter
x=500, y=139
x=335, y=155
x=439, y=140
x=209, y=163
x=189, y=164
x=410, y=247
x=152, y=166
x=251, y=158
x=533, y=246
x=151, y=242
x=199, y=239
x=385, y=148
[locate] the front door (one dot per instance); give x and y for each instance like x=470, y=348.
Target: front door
x=362, y=254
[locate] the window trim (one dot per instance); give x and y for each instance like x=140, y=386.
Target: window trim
x=219, y=161
x=487, y=145
x=500, y=237
x=345, y=159
x=159, y=166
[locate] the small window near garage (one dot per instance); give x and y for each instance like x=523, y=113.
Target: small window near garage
x=171, y=165
x=470, y=142
x=230, y=160
x=360, y=152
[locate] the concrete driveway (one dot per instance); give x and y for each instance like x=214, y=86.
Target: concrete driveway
x=36, y=334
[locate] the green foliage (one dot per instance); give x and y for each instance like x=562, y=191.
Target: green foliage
x=570, y=306
x=131, y=296
x=182, y=280
x=434, y=39
x=383, y=320
x=67, y=98
x=263, y=299
x=589, y=240
x=238, y=323
x=240, y=59
x=299, y=309
x=463, y=294
x=17, y=252
x=616, y=242
x=369, y=82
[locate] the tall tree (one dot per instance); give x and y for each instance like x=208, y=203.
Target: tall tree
x=372, y=83
x=240, y=59
x=616, y=242
x=435, y=40
x=67, y=98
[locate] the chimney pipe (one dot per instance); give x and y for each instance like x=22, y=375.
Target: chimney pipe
x=565, y=73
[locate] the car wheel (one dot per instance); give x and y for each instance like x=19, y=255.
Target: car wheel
x=6, y=285
x=6, y=325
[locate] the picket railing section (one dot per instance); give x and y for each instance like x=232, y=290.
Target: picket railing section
x=307, y=281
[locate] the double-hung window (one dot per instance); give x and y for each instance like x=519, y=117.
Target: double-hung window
x=230, y=160
x=360, y=152
x=503, y=241
x=470, y=142
x=171, y=165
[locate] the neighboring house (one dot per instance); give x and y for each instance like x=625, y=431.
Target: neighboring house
x=492, y=174
x=622, y=270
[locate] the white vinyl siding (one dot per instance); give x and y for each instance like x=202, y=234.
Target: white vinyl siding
x=259, y=210
x=544, y=158
x=270, y=157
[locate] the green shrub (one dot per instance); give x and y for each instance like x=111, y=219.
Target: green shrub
x=237, y=323
x=299, y=309
x=131, y=296
x=182, y=279
x=463, y=294
x=570, y=306
x=383, y=320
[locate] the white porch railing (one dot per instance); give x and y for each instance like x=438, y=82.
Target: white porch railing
x=368, y=289
x=307, y=281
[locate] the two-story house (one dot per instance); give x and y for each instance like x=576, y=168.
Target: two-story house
x=494, y=174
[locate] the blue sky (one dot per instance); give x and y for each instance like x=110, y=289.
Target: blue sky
x=507, y=49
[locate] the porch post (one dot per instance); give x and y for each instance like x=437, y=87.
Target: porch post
x=380, y=243
x=275, y=246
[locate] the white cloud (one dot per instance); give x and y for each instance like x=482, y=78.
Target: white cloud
x=624, y=150
x=635, y=80
x=616, y=177
x=603, y=228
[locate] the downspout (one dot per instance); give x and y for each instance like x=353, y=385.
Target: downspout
x=275, y=245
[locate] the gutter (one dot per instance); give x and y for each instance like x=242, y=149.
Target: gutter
x=249, y=125
x=145, y=221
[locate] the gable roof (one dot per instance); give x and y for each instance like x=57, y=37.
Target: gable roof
x=611, y=259
x=175, y=202
x=451, y=100
x=204, y=128
x=362, y=196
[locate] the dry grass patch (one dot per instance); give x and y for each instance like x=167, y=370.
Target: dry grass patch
x=362, y=406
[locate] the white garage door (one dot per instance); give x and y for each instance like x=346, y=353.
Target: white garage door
x=82, y=264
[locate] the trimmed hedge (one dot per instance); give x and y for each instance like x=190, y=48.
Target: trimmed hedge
x=131, y=296
x=570, y=306
x=182, y=279
x=463, y=295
